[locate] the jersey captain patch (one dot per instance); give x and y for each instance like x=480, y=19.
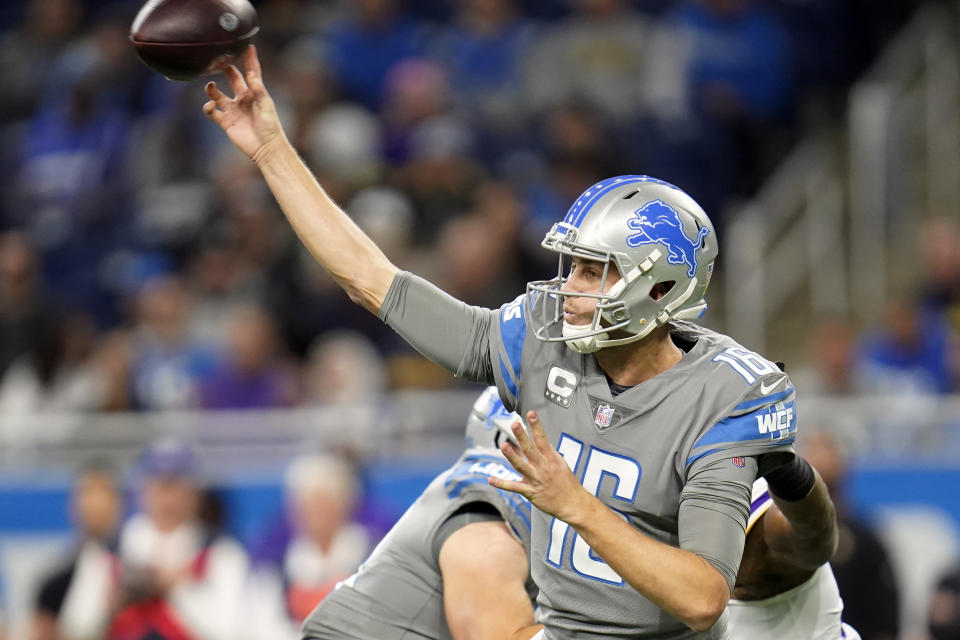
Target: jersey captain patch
x=561, y=383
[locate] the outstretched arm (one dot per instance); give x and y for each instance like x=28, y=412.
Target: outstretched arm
x=484, y=571
x=251, y=122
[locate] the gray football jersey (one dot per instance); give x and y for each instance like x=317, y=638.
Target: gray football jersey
x=398, y=592
x=681, y=441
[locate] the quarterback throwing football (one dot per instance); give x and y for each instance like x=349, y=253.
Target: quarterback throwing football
x=648, y=430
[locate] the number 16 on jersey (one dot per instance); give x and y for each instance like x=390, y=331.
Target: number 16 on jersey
x=626, y=477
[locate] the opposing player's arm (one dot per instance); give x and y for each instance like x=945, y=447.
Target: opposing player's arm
x=250, y=120
x=682, y=583
x=484, y=570
x=803, y=532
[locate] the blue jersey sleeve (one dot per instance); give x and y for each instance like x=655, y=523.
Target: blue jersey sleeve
x=507, y=349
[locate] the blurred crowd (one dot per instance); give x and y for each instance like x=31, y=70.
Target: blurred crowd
x=163, y=567
x=914, y=348
x=152, y=557
x=144, y=265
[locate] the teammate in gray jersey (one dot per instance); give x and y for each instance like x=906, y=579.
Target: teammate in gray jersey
x=455, y=564
x=663, y=422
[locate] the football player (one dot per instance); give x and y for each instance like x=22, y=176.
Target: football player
x=785, y=587
x=663, y=422
x=455, y=565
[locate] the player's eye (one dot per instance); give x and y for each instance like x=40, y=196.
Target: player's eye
x=587, y=271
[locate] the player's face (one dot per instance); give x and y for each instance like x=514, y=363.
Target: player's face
x=586, y=276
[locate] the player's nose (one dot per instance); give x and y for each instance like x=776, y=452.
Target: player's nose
x=572, y=283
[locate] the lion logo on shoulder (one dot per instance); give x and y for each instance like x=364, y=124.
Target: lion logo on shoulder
x=656, y=222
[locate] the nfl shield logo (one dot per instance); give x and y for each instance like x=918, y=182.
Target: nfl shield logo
x=604, y=415
x=739, y=462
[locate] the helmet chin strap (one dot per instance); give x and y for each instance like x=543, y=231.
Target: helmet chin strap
x=582, y=343
x=595, y=341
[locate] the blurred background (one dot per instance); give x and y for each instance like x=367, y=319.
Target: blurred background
x=192, y=412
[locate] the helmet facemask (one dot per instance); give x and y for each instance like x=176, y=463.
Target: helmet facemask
x=611, y=316
x=626, y=312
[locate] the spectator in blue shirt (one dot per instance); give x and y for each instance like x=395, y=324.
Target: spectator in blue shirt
x=721, y=83
x=737, y=62
x=913, y=352
x=364, y=46
x=483, y=51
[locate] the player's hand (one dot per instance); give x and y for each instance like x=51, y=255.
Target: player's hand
x=250, y=118
x=547, y=481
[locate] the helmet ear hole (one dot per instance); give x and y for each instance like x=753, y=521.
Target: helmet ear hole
x=661, y=289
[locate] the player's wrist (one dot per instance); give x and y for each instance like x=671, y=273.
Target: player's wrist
x=271, y=149
x=582, y=511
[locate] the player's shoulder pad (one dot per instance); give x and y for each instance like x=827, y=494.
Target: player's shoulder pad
x=764, y=417
x=729, y=366
x=741, y=376
x=756, y=403
x=467, y=481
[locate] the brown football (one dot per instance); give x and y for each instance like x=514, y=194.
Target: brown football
x=186, y=39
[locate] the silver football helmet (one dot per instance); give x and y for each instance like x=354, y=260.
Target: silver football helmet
x=489, y=422
x=651, y=232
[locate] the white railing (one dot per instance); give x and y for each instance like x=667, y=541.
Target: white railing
x=915, y=427
x=395, y=425
x=790, y=235
x=817, y=239
x=904, y=145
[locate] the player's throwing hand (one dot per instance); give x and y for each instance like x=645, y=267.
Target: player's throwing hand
x=547, y=481
x=250, y=118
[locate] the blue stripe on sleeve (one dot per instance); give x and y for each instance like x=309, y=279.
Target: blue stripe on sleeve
x=479, y=457
x=518, y=503
x=778, y=426
x=473, y=465
x=513, y=331
x=759, y=402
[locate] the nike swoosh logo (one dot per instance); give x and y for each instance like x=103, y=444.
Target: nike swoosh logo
x=765, y=389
